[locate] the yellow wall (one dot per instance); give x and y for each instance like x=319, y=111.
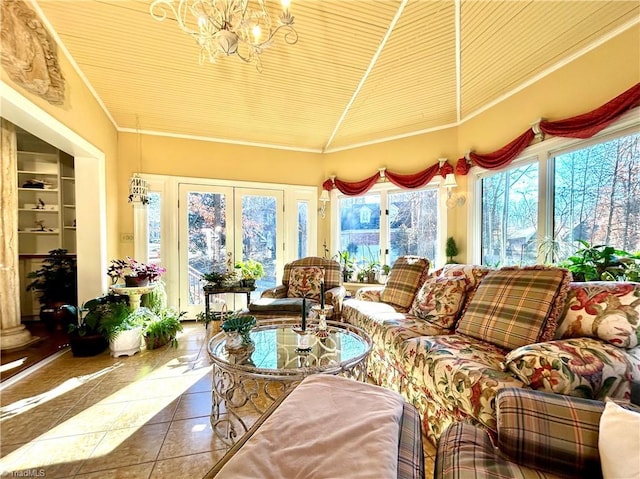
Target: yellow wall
x=82, y=114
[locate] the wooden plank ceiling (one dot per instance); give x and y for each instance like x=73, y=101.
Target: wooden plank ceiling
x=362, y=71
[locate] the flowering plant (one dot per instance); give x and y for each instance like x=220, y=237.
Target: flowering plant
x=129, y=267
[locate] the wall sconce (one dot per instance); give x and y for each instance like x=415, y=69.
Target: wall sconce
x=324, y=199
x=453, y=199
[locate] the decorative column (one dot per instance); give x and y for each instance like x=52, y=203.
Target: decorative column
x=13, y=334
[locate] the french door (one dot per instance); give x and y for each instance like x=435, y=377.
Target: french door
x=220, y=225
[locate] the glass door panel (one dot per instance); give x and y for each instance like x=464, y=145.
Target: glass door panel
x=206, y=241
x=259, y=215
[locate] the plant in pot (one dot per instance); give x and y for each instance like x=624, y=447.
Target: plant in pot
x=346, y=264
x=451, y=250
x=163, y=330
x=133, y=272
x=215, y=278
x=56, y=283
x=86, y=336
x=237, y=327
x=598, y=263
x=123, y=329
x=250, y=271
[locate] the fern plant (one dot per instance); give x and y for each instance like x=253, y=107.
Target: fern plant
x=164, y=329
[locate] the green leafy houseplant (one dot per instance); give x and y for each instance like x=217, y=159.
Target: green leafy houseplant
x=243, y=324
x=164, y=329
x=346, y=264
x=600, y=263
x=56, y=283
x=250, y=271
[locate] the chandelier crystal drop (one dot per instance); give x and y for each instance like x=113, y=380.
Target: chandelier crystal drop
x=228, y=27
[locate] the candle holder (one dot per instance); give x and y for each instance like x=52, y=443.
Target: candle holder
x=302, y=340
x=322, y=312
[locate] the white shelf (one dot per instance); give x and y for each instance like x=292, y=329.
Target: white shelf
x=70, y=227
x=68, y=206
x=68, y=178
x=35, y=210
x=36, y=173
x=55, y=232
x=39, y=190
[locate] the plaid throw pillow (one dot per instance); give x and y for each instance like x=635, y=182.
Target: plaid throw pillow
x=513, y=307
x=405, y=278
x=304, y=282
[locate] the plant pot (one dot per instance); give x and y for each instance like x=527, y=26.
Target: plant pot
x=156, y=342
x=55, y=317
x=136, y=281
x=248, y=283
x=126, y=343
x=88, y=345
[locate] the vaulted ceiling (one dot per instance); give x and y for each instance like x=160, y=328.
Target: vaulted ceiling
x=362, y=71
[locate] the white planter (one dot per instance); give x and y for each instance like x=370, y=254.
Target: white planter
x=127, y=343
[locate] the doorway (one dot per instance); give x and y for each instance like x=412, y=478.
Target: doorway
x=221, y=225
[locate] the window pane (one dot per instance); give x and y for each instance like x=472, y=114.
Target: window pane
x=153, y=227
x=597, y=196
x=207, y=239
x=259, y=237
x=413, y=224
x=303, y=229
x=360, y=227
x=510, y=216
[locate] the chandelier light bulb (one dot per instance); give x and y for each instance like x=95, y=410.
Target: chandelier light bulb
x=256, y=33
x=286, y=4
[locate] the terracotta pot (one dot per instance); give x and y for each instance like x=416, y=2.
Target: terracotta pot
x=136, y=281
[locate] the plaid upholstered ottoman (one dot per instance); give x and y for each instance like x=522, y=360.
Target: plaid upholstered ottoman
x=540, y=435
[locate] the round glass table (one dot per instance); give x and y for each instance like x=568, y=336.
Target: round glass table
x=248, y=381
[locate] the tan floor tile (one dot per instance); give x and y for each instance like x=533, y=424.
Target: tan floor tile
x=147, y=411
x=203, y=384
x=189, y=436
x=139, y=471
x=81, y=420
x=194, y=465
x=28, y=426
x=126, y=447
x=55, y=457
x=193, y=405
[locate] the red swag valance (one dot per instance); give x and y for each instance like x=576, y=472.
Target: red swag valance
x=581, y=126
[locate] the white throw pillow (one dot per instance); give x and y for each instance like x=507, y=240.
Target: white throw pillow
x=619, y=442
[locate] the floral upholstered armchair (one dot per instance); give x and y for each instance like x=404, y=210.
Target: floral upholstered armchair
x=302, y=278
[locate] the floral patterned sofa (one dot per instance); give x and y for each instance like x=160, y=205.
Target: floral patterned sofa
x=469, y=331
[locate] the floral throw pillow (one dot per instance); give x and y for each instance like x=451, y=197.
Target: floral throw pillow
x=439, y=301
x=304, y=282
x=607, y=310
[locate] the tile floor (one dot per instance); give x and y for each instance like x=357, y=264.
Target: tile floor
x=145, y=416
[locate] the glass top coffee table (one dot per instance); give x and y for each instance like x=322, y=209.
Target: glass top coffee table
x=247, y=382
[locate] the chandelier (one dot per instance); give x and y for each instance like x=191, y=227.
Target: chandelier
x=228, y=27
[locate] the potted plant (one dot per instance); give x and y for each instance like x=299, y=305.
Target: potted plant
x=163, y=330
x=238, y=328
x=215, y=278
x=451, y=250
x=57, y=284
x=123, y=329
x=250, y=271
x=599, y=263
x=86, y=336
x=346, y=264
x=384, y=273
x=133, y=272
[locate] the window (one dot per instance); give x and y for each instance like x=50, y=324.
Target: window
x=591, y=191
x=510, y=216
x=153, y=227
x=383, y=225
x=303, y=229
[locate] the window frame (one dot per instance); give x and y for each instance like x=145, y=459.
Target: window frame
x=544, y=153
x=384, y=189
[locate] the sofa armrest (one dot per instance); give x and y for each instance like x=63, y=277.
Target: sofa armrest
x=581, y=367
x=277, y=292
x=369, y=293
x=549, y=432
